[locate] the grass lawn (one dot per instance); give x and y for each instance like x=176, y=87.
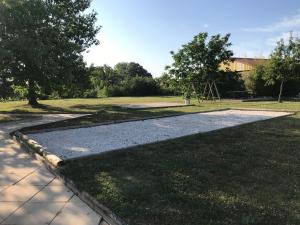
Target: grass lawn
x=243, y=175
x=105, y=109
x=248, y=174
x=91, y=105
x=96, y=105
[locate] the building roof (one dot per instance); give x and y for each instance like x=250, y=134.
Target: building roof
x=251, y=61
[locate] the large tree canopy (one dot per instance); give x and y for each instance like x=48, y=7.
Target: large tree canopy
x=42, y=41
x=198, y=61
x=284, y=64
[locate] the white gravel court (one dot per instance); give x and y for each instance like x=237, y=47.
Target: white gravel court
x=74, y=143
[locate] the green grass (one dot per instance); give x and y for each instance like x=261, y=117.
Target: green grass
x=92, y=105
x=248, y=174
x=106, y=109
x=243, y=175
x=96, y=105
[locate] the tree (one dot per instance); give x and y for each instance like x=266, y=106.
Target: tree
x=140, y=86
x=103, y=77
x=198, y=61
x=44, y=40
x=130, y=70
x=5, y=84
x=284, y=64
x=168, y=84
x=74, y=85
x=255, y=83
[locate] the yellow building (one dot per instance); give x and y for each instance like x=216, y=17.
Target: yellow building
x=243, y=64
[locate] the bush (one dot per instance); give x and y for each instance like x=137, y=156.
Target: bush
x=141, y=86
x=255, y=83
x=136, y=86
x=20, y=92
x=90, y=93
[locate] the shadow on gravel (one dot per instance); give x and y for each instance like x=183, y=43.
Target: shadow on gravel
x=108, y=114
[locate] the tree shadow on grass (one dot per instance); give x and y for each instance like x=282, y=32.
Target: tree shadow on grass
x=51, y=109
x=242, y=175
x=45, y=109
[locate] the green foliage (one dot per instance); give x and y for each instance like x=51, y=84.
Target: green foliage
x=140, y=86
x=230, y=82
x=20, y=91
x=130, y=70
x=42, y=41
x=198, y=61
x=6, y=90
x=121, y=81
x=136, y=86
x=168, y=84
x=103, y=77
x=284, y=64
x=255, y=82
x=74, y=85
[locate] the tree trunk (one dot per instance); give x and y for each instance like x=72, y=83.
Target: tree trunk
x=280, y=92
x=32, y=97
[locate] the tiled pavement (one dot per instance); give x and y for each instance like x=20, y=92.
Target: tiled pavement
x=30, y=194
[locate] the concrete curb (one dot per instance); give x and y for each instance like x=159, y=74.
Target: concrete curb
x=156, y=107
x=268, y=110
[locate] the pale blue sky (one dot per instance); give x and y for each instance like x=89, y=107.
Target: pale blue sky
x=145, y=31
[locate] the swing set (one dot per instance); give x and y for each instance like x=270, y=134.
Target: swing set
x=207, y=91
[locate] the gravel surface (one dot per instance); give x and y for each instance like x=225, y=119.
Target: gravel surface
x=86, y=141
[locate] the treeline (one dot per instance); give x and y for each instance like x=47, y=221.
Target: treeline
x=131, y=79
x=125, y=79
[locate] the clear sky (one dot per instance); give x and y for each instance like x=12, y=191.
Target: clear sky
x=145, y=31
